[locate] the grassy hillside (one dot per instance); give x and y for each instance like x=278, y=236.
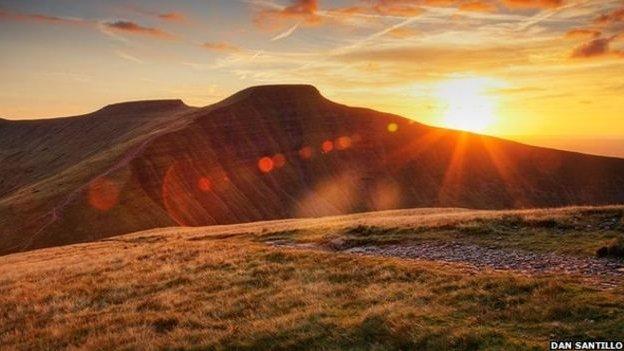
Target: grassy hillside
x=265, y=153
x=48, y=164
x=240, y=287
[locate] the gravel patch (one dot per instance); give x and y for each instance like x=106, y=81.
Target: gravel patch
x=610, y=272
x=485, y=257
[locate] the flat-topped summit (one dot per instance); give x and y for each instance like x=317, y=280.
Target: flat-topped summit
x=292, y=89
x=142, y=106
x=281, y=92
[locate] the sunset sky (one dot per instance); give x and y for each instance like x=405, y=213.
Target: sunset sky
x=549, y=72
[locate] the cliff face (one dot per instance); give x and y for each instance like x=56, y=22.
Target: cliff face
x=285, y=151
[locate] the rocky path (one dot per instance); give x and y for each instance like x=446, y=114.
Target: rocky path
x=608, y=272
x=485, y=257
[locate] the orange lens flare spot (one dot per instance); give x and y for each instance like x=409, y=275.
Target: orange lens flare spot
x=279, y=160
x=393, y=127
x=343, y=143
x=204, y=184
x=327, y=146
x=305, y=153
x=265, y=164
x=103, y=194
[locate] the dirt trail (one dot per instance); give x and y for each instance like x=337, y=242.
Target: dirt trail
x=608, y=272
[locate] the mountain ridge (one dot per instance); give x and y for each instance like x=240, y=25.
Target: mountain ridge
x=172, y=164
x=141, y=105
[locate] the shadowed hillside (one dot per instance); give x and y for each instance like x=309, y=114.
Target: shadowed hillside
x=265, y=153
x=47, y=164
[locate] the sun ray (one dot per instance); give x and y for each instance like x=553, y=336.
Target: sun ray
x=508, y=175
x=451, y=188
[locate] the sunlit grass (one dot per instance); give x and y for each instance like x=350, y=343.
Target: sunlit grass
x=223, y=288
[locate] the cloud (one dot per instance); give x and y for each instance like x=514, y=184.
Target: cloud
x=35, y=17
x=582, y=33
x=172, y=16
x=403, y=32
x=110, y=28
x=478, y=6
x=593, y=48
x=437, y=58
x=303, y=11
x=597, y=48
x=287, y=33
x=309, y=13
x=614, y=16
x=129, y=57
x=305, y=7
x=136, y=29
x=222, y=47
x=398, y=8
x=535, y=4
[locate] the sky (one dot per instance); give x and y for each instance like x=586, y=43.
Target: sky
x=547, y=72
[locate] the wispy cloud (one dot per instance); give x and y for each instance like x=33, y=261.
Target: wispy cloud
x=582, y=33
x=478, y=6
x=36, y=17
x=222, y=46
x=133, y=28
x=172, y=16
x=617, y=15
x=302, y=11
x=597, y=48
x=128, y=57
x=287, y=33
x=533, y=3
x=111, y=28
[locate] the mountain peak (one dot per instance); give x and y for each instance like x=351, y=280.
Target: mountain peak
x=292, y=88
x=142, y=106
x=280, y=91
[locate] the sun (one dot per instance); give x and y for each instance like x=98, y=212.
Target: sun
x=466, y=104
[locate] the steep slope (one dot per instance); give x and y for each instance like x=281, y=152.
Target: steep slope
x=46, y=163
x=285, y=151
x=34, y=149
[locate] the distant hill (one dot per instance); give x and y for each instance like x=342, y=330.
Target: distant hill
x=267, y=152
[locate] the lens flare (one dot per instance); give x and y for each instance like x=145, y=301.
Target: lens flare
x=278, y=160
x=103, y=194
x=306, y=153
x=204, y=184
x=343, y=143
x=265, y=164
x=327, y=146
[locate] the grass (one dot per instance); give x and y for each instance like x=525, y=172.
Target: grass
x=219, y=288
x=576, y=232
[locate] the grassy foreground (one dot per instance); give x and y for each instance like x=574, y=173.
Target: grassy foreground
x=221, y=288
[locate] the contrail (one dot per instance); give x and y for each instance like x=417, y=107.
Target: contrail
x=287, y=33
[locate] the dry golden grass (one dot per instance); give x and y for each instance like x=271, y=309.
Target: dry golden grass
x=221, y=288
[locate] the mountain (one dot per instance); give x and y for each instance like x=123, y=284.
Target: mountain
x=267, y=152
